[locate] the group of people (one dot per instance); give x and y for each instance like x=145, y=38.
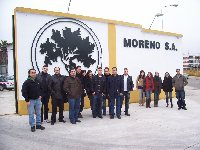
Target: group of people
x=99, y=88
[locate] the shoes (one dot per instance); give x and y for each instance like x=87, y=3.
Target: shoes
x=33, y=129
x=40, y=127
x=62, y=121
x=73, y=122
x=111, y=117
x=80, y=116
x=52, y=122
x=100, y=117
x=119, y=117
x=78, y=121
x=127, y=114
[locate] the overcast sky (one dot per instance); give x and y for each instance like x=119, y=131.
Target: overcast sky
x=184, y=19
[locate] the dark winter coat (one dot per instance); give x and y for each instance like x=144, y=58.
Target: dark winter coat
x=157, y=84
x=115, y=85
x=73, y=87
x=148, y=84
x=56, y=87
x=179, y=81
x=167, y=84
x=31, y=89
x=99, y=84
x=44, y=80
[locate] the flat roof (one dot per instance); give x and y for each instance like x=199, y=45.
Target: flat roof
x=61, y=14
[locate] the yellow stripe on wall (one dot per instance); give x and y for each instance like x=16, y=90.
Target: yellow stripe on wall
x=112, y=45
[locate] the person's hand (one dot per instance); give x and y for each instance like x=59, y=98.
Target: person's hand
x=28, y=103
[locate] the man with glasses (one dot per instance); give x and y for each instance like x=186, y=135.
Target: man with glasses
x=179, y=81
x=31, y=91
x=57, y=95
x=44, y=78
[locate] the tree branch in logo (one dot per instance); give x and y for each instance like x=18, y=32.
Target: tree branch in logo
x=68, y=46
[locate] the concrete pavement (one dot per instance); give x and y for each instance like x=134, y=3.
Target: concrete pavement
x=156, y=128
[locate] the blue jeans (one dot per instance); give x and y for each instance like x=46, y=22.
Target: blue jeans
x=104, y=104
x=97, y=105
x=126, y=95
x=74, y=108
x=156, y=97
x=35, y=106
x=180, y=95
x=148, y=94
x=118, y=105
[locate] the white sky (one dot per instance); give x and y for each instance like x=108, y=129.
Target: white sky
x=184, y=19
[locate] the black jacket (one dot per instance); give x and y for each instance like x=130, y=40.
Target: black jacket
x=130, y=84
x=56, y=87
x=107, y=76
x=89, y=86
x=44, y=80
x=167, y=84
x=99, y=84
x=31, y=89
x=115, y=85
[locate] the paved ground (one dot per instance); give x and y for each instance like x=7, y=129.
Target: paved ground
x=156, y=128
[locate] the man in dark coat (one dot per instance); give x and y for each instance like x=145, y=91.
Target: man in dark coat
x=168, y=88
x=115, y=90
x=44, y=78
x=57, y=95
x=31, y=91
x=127, y=86
x=106, y=96
x=99, y=87
x=73, y=87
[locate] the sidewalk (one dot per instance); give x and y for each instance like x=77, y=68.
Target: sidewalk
x=156, y=128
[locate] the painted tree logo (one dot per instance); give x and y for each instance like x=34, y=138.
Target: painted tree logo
x=69, y=46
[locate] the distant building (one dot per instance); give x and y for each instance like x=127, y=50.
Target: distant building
x=191, y=61
x=6, y=61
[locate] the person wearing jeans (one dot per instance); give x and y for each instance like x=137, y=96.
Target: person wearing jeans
x=148, y=88
x=115, y=90
x=179, y=82
x=73, y=88
x=31, y=91
x=74, y=107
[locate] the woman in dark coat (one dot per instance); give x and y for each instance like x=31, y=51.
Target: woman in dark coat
x=168, y=88
x=88, y=86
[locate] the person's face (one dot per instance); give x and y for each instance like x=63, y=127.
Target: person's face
x=99, y=71
x=73, y=73
x=157, y=74
x=114, y=71
x=107, y=72
x=32, y=74
x=178, y=71
x=78, y=70
x=142, y=73
x=125, y=72
x=90, y=74
x=149, y=74
x=167, y=74
x=84, y=73
x=57, y=71
x=45, y=69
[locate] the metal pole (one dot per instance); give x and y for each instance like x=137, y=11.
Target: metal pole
x=152, y=22
x=69, y=5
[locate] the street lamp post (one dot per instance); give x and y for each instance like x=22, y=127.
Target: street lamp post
x=174, y=5
x=161, y=15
